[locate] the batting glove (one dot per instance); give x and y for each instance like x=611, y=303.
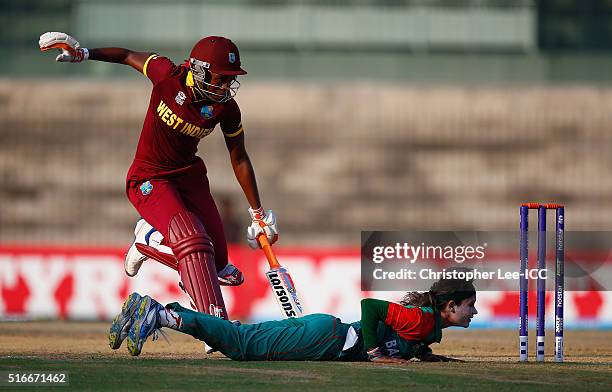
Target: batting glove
x=262, y=222
x=70, y=49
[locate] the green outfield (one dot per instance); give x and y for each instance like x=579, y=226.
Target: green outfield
x=490, y=355
x=221, y=374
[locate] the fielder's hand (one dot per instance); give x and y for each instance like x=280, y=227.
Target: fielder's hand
x=70, y=49
x=262, y=222
x=429, y=357
x=377, y=356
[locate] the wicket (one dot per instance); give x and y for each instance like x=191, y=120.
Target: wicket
x=541, y=282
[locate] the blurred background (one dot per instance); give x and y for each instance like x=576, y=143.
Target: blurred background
x=359, y=115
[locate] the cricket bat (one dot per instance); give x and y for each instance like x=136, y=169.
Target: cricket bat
x=281, y=283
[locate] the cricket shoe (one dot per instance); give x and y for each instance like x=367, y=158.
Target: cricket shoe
x=134, y=259
x=230, y=276
x=145, y=234
x=123, y=321
x=145, y=323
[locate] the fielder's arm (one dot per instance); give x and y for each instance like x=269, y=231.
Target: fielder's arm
x=404, y=321
x=372, y=312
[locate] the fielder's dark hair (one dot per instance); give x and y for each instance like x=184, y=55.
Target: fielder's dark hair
x=440, y=293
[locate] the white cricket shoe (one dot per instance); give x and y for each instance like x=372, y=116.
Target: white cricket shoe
x=133, y=258
x=146, y=234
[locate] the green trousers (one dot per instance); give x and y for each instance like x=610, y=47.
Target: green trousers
x=316, y=337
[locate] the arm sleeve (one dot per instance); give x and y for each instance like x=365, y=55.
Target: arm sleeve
x=372, y=311
x=231, y=123
x=409, y=323
x=158, y=68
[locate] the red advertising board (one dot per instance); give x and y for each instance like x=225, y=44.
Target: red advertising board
x=89, y=283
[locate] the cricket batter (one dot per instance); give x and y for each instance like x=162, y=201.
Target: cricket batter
x=387, y=332
x=167, y=181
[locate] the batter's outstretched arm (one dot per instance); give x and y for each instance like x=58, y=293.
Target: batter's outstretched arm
x=129, y=57
x=70, y=50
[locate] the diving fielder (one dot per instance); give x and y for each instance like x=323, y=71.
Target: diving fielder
x=387, y=332
x=167, y=181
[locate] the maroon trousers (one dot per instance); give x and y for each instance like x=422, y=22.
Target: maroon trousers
x=184, y=190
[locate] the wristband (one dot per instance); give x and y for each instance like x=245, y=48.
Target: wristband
x=257, y=214
x=374, y=354
x=81, y=54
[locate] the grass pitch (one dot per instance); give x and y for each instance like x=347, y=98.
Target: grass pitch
x=219, y=374
x=82, y=350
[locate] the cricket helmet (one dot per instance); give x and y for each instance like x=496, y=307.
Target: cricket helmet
x=215, y=55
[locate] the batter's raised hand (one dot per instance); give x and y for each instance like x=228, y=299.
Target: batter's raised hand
x=70, y=49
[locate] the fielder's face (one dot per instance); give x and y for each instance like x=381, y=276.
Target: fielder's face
x=461, y=315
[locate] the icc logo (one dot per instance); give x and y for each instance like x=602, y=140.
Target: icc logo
x=180, y=98
x=232, y=57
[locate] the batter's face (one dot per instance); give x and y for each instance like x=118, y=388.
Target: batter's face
x=213, y=87
x=220, y=82
x=219, y=86
x=460, y=315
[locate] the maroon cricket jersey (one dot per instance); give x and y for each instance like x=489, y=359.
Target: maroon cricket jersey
x=175, y=124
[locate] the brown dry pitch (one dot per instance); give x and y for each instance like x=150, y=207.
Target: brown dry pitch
x=50, y=339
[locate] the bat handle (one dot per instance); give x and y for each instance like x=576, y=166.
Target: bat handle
x=267, y=249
